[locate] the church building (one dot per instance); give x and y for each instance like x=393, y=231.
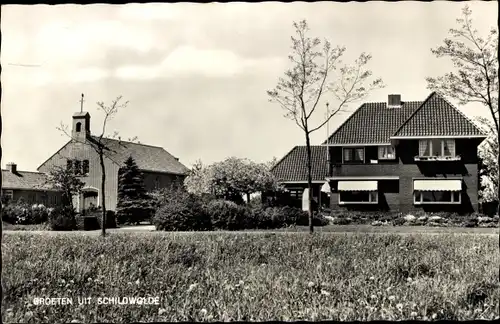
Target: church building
x=160, y=168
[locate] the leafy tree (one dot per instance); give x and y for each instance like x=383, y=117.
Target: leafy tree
x=475, y=79
x=198, y=181
x=488, y=152
x=100, y=145
x=133, y=204
x=230, y=179
x=67, y=182
x=309, y=79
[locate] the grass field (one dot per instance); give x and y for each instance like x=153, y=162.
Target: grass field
x=250, y=276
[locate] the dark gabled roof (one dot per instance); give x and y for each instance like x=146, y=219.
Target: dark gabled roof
x=24, y=180
x=437, y=117
x=293, y=166
x=373, y=123
x=147, y=157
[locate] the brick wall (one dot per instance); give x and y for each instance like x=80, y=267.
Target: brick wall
x=407, y=169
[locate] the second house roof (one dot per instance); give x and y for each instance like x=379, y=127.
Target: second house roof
x=375, y=123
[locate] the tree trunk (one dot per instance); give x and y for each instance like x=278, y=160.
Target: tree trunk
x=248, y=198
x=309, y=183
x=103, y=185
x=498, y=177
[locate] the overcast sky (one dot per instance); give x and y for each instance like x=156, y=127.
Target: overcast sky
x=196, y=75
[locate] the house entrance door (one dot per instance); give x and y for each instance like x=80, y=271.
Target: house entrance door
x=90, y=199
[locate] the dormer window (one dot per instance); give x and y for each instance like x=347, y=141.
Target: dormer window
x=78, y=127
x=387, y=152
x=437, y=148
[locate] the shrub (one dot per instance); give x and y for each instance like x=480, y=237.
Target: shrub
x=226, y=215
x=39, y=214
x=342, y=221
x=87, y=223
x=24, y=214
x=280, y=217
x=62, y=219
x=182, y=213
x=258, y=218
x=135, y=211
x=110, y=219
x=11, y=214
x=400, y=222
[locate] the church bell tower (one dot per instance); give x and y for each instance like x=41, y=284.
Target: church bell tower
x=81, y=124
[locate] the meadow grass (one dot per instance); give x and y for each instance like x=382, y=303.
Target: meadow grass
x=253, y=277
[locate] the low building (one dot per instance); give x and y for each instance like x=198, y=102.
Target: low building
x=31, y=186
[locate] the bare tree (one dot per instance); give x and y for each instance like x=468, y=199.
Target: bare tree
x=475, y=78
x=303, y=85
x=101, y=146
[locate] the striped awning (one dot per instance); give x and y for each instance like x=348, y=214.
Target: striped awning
x=357, y=185
x=438, y=185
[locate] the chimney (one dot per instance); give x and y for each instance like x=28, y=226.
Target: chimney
x=12, y=167
x=394, y=101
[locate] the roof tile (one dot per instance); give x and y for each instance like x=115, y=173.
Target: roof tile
x=147, y=157
x=373, y=123
x=438, y=117
x=24, y=180
x=293, y=166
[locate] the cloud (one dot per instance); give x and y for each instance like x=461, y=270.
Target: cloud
x=188, y=60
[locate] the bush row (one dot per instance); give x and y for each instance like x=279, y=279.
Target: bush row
x=418, y=218
x=186, y=212
x=22, y=213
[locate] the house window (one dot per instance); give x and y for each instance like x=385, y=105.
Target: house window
x=78, y=127
x=69, y=165
x=78, y=167
x=358, y=197
x=157, y=183
x=85, y=167
x=387, y=152
x=437, y=147
x=355, y=154
x=296, y=193
x=437, y=197
x=9, y=194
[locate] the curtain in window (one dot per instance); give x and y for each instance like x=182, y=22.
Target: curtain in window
x=359, y=156
x=347, y=155
x=449, y=147
x=381, y=152
x=423, y=148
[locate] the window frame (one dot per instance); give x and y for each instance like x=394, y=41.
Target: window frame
x=371, y=194
x=9, y=193
x=383, y=149
x=299, y=191
x=85, y=170
x=77, y=167
x=422, y=202
x=353, y=149
x=442, y=143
